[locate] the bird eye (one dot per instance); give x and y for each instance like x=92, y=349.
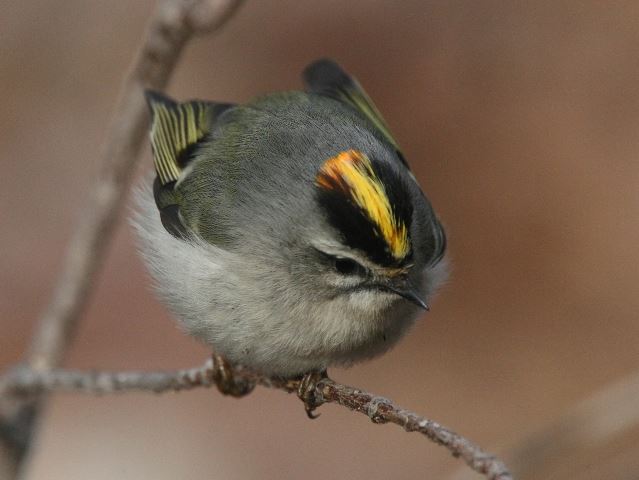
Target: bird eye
x=346, y=266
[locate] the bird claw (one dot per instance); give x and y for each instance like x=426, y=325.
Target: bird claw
x=226, y=382
x=307, y=392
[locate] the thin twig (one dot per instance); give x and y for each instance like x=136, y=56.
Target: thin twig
x=24, y=381
x=605, y=417
x=172, y=24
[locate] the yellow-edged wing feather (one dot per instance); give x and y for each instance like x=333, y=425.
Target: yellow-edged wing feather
x=175, y=128
x=328, y=78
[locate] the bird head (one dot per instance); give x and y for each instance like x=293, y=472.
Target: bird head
x=370, y=246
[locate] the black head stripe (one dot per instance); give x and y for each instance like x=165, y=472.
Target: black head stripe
x=357, y=229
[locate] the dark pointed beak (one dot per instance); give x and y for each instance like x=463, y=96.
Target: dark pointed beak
x=406, y=291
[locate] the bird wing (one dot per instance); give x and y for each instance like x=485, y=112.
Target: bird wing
x=177, y=129
x=325, y=77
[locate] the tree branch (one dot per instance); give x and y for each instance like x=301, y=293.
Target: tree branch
x=23, y=381
x=172, y=24
x=607, y=416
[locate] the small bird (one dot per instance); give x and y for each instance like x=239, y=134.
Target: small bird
x=288, y=233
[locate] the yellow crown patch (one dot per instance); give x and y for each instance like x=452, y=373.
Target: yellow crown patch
x=351, y=173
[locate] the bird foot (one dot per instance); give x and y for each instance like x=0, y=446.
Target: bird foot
x=307, y=392
x=226, y=382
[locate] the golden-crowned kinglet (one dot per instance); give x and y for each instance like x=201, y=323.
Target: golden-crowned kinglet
x=288, y=233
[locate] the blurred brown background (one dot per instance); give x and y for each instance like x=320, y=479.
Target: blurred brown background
x=520, y=120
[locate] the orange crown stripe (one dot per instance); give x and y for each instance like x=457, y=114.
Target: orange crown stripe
x=351, y=172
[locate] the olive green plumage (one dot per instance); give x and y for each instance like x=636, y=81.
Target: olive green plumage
x=279, y=222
